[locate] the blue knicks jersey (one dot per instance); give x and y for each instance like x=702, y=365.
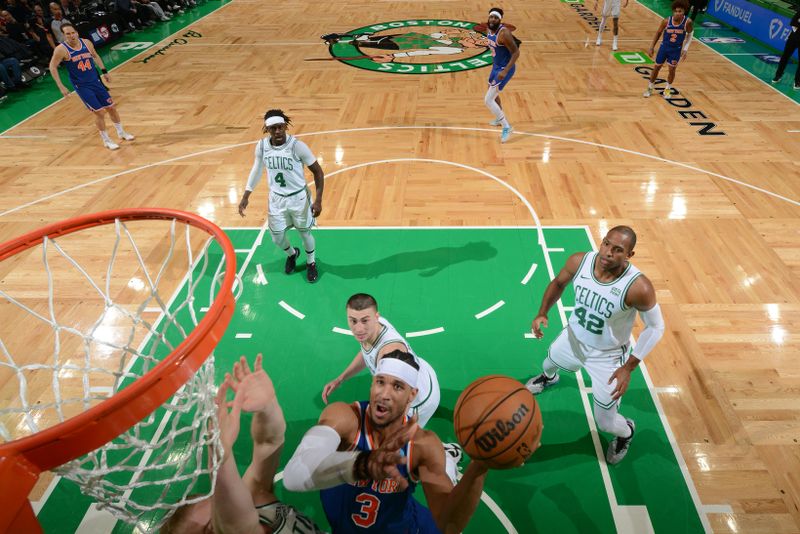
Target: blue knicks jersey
x=674, y=34
x=376, y=505
x=501, y=55
x=80, y=65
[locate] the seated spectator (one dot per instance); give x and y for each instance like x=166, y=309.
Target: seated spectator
x=20, y=10
x=24, y=34
x=58, y=20
x=41, y=27
x=156, y=9
x=10, y=65
x=130, y=13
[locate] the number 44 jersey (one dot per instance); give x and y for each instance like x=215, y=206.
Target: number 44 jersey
x=600, y=318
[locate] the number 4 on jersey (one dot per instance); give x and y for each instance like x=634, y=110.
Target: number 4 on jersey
x=280, y=179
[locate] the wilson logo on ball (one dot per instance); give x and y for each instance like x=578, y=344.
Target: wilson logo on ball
x=501, y=430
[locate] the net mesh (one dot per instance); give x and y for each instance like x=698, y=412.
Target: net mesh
x=78, y=332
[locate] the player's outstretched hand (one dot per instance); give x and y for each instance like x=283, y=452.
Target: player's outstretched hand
x=64, y=91
x=229, y=422
x=243, y=206
x=384, y=460
x=536, y=327
x=254, y=389
x=329, y=388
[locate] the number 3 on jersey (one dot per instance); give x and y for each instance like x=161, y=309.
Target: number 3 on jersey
x=366, y=517
x=280, y=179
x=594, y=324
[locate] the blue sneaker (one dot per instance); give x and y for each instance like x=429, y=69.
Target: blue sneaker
x=506, y=134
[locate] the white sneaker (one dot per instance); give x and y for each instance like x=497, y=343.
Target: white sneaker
x=647, y=93
x=614, y=46
x=111, y=145
x=618, y=447
x=506, y=133
x=126, y=136
x=668, y=93
x=538, y=383
x=599, y=40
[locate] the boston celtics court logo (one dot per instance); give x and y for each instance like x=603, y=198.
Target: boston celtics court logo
x=422, y=46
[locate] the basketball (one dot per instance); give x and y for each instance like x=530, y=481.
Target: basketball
x=498, y=421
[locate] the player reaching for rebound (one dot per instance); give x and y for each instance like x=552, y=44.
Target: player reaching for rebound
x=609, y=291
x=504, y=56
x=677, y=31
x=82, y=63
x=290, y=202
x=367, y=458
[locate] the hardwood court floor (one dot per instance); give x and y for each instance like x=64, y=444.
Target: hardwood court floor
x=723, y=255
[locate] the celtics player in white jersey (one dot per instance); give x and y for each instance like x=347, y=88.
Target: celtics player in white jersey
x=609, y=291
x=245, y=504
x=290, y=203
x=377, y=337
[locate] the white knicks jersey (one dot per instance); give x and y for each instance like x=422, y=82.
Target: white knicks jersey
x=389, y=334
x=600, y=318
x=284, y=164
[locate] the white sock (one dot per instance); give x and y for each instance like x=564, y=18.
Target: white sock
x=649, y=85
x=118, y=126
x=451, y=468
x=602, y=27
x=104, y=136
x=496, y=110
x=549, y=368
x=615, y=39
x=667, y=87
x=309, y=243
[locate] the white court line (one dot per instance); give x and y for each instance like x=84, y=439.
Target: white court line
x=291, y=310
x=793, y=131
x=555, y=250
x=22, y=136
x=152, y=309
x=244, y=335
x=490, y=309
x=204, y=309
x=342, y=331
x=426, y=332
x=382, y=128
x=529, y=275
x=568, y=308
x=676, y=450
x=261, y=278
x=241, y=250
x=529, y=335
x=105, y=390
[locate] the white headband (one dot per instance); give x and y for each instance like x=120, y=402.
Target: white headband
x=272, y=121
x=496, y=14
x=398, y=369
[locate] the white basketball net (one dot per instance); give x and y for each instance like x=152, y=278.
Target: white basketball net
x=89, y=331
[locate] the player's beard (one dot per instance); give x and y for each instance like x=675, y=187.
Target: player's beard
x=492, y=26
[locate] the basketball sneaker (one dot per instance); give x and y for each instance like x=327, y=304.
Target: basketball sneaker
x=538, y=383
x=599, y=40
x=668, y=92
x=614, y=46
x=796, y=86
x=618, y=447
x=111, y=145
x=291, y=261
x=126, y=136
x=311, y=272
x=454, y=451
x=506, y=134
x=775, y=80
x=647, y=92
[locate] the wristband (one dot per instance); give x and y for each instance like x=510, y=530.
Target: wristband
x=104, y=71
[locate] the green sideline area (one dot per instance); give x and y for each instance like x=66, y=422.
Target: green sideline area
x=426, y=279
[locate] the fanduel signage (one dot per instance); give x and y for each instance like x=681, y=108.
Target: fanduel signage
x=765, y=25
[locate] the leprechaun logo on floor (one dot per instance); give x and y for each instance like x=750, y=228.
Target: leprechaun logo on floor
x=421, y=46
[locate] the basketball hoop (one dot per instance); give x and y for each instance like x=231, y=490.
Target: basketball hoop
x=113, y=444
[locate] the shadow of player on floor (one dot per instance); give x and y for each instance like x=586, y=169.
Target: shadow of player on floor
x=427, y=262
